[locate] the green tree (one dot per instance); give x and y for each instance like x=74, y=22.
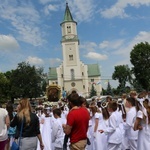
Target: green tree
x=4, y=82
x=123, y=74
x=93, y=92
x=136, y=86
x=109, y=90
x=140, y=59
x=26, y=81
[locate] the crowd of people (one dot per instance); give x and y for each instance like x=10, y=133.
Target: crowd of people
x=75, y=124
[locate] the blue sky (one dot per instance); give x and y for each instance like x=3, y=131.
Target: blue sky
x=108, y=29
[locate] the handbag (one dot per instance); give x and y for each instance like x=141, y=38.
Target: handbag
x=15, y=145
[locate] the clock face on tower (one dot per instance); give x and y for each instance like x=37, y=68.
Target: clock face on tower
x=69, y=37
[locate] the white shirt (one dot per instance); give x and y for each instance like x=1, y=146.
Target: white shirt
x=129, y=124
x=58, y=133
x=114, y=131
x=3, y=126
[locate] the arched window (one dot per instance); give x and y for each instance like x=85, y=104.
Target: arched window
x=69, y=29
x=72, y=74
x=70, y=57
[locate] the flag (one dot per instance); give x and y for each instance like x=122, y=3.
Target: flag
x=106, y=82
x=99, y=82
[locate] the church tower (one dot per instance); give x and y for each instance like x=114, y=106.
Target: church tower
x=74, y=71
x=70, y=43
x=73, y=74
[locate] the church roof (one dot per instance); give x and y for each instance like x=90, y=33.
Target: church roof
x=52, y=74
x=93, y=70
x=68, y=16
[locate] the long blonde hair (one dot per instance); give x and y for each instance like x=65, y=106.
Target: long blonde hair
x=94, y=108
x=25, y=110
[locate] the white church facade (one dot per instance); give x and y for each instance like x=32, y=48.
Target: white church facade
x=73, y=74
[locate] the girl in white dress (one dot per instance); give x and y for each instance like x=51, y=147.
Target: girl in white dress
x=131, y=135
x=101, y=139
x=113, y=130
x=46, y=129
x=92, y=135
x=142, y=123
x=122, y=114
x=41, y=117
x=98, y=121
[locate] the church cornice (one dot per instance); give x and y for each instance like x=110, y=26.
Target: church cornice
x=70, y=40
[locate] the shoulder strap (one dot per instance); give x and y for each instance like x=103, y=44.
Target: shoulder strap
x=21, y=132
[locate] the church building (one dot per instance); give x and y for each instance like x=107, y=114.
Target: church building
x=73, y=74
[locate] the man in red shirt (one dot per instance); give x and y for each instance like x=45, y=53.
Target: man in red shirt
x=77, y=123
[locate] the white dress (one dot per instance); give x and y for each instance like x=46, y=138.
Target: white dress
x=58, y=133
x=114, y=131
x=101, y=138
x=46, y=133
x=131, y=135
x=41, y=121
x=143, y=135
x=91, y=133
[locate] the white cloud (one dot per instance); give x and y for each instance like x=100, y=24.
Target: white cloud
x=25, y=19
x=96, y=56
x=50, y=8
x=126, y=48
x=35, y=60
x=54, y=62
x=45, y=1
x=83, y=10
x=104, y=44
x=8, y=42
x=89, y=46
x=118, y=9
x=114, y=12
x=115, y=44
x=142, y=36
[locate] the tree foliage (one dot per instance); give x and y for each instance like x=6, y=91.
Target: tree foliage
x=93, y=92
x=26, y=81
x=109, y=90
x=140, y=59
x=4, y=83
x=123, y=74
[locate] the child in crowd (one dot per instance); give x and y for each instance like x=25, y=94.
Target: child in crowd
x=47, y=128
x=122, y=114
x=11, y=130
x=133, y=94
x=92, y=122
x=131, y=135
x=103, y=117
x=108, y=99
x=142, y=123
x=113, y=130
x=57, y=130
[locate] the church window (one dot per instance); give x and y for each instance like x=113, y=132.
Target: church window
x=73, y=84
x=62, y=75
x=70, y=57
x=68, y=29
x=72, y=74
x=83, y=86
x=82, y=73
x=92, y=80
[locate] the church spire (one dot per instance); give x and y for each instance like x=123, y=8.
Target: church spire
x=68, y=16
